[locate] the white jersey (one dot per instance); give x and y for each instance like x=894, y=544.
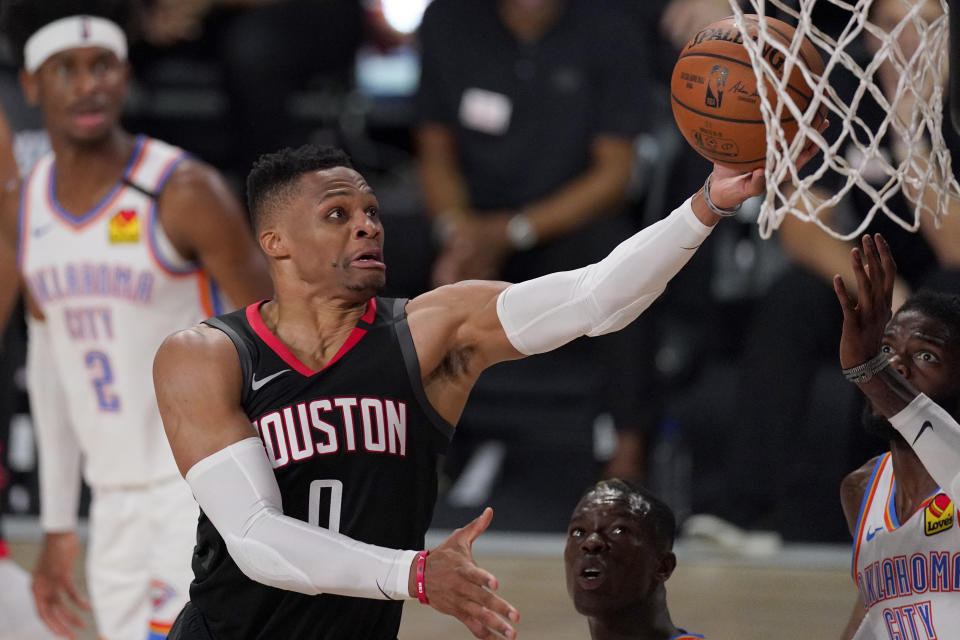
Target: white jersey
x=908, y=573
x=111, y=287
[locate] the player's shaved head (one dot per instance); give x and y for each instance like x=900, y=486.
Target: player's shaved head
x=648, y=510
x=273, y=180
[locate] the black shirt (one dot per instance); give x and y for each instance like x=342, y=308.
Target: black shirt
x=357, y=441
x=584, y=77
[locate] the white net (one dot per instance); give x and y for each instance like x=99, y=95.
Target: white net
x=883, y=88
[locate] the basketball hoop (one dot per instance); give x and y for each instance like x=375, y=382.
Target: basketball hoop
x=903, y=78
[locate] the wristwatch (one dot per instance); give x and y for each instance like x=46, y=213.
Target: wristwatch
x=520, y=232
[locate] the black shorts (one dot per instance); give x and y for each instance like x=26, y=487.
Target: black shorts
x=189, y=625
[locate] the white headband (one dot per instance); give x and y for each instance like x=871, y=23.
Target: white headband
x=70, y=32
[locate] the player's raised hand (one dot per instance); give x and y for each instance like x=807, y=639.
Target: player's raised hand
x=455, y=585
x=53, y=584
x=865, y=317
x=729, y=187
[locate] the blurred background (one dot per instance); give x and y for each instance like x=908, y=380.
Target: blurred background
x=725, y=396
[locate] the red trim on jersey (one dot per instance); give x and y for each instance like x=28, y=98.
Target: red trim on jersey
x=871, y=494
x=161, y=628
x=371, y=312
x=4, y=551
x=136, y=164
x=887, y=519
x=260, y=328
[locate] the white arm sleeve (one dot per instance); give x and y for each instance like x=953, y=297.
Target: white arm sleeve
x=237, y=490
x=57, y=445
x=545, y=313
x=935, y=437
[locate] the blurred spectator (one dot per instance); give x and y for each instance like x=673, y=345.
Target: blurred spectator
x=528, y=111
x=265, y=49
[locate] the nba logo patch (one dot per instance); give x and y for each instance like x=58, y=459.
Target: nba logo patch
x=124, y=227
x=938, y=516
x=715, y=84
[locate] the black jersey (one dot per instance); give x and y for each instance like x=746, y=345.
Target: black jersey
x=354, y=448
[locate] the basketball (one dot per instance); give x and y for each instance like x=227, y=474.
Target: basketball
x=714, y=91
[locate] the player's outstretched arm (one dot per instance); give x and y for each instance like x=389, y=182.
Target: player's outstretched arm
x=206, y=223
x=931, y=431
x=461, y=329
x=198, y=379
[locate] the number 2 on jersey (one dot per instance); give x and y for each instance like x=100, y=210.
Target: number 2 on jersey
x=317, y=490
x=99, y=365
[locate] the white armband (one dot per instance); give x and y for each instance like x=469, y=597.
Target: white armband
x=545, y=313
x=935, y=437
x=237, y=490
x=57, y=445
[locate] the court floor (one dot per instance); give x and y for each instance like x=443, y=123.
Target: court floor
x=798, y=593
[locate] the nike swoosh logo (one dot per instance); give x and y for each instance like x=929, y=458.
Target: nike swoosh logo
x=926, y=425
x=871, y=534
x=256, y=384
x=39, y=231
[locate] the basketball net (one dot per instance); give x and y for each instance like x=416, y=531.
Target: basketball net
x=919, y=166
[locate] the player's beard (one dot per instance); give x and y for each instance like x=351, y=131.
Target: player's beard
x=877, y=425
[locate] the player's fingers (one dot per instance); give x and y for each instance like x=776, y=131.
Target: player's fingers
x=756, y=183
x=470, y=532
x=888, y=264
x=76, y=596
x=863, y=283
x=68, y=618
x=52, y=615
x=489, y=619
x=874, y=271
x=842, y=296
x=492, y=602
x=479, y=577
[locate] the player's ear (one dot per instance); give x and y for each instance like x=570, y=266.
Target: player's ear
x=31, y=87
x=272, y=243
x=666, y=565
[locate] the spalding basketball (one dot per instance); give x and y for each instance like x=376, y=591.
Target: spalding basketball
x=714, y=91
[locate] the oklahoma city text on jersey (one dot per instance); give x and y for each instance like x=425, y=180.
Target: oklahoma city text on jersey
x=908, y=573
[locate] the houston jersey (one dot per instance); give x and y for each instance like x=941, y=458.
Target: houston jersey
x=354, y=448
x=908, y=573
x=111, y=287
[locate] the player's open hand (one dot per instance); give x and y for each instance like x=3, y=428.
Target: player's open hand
x=455, y=585
x=53, y=584
x=866, y=317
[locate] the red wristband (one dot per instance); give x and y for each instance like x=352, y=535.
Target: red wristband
x=421, y=569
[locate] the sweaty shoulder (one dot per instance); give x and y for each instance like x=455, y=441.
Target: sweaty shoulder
x=852, y=489
x=194, y=354
x=196, y=200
